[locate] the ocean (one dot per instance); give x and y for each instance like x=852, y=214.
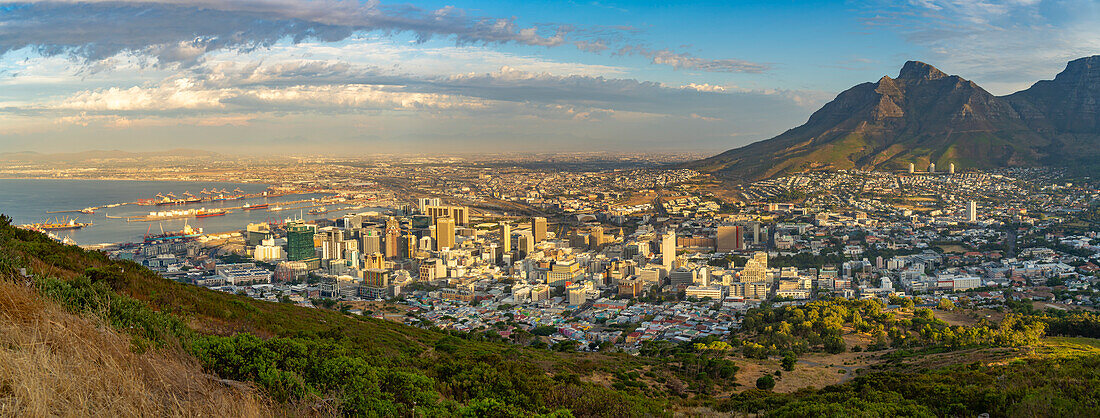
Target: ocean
x=29, y=200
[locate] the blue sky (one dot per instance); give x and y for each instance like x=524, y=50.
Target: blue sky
x=363, y=77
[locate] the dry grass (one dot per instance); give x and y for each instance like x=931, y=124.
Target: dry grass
x=53, y=363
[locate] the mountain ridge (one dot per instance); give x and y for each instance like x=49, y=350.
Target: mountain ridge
x=925, y=116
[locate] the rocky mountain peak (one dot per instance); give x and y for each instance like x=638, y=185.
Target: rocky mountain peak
x=916, y=70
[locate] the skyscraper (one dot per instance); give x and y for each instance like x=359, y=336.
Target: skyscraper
x=299, y=240
x=538, y=228
x=525, y=244
x=371, y=241
x=912, y=168
x=595, y=237
x=424, y=202
x=972, y=211
x=407, y=246
x=444, y=233
x=393, y=239
x=505, y=237
x=730, y=238
x=668, y=248
x=931, y=167
x=951, y=168
x=459, y=214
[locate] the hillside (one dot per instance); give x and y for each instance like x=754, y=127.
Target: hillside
x=926, y=116
x=83, y=333
x=299, y=359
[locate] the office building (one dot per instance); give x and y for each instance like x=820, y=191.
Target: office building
x=370, y=241
x=538, y=229
x=525, y=244
x=299, y=240
x=458, y=214
x=668, y=249
x=505, y=237
x=393, y=242
x=444, y=233
x=375, y=284
x=424, y=202
x=257, y=232
x=407, y=246
x=730, y=238
x=595, y=237
x=756, y=269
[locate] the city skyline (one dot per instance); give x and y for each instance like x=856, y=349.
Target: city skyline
x=350, y=77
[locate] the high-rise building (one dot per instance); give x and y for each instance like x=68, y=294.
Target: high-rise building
x=595, y=237
x=299, y=241
x=951, y=168
x=668, y=248
x=730, y=238
x=505, y=237
x=258, y=232
x=525, y=244
x=756, y=269
x=538, y=229
x=370, y=241
x=459, y=214
x=424, y=202
x=375, y=283
x=407, y=246
x=757, y=233
x=393, y=240
x=931, y=167
x=972, y=211
x=444, y=233
x=912, y=168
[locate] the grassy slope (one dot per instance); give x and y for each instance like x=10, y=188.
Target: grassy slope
x=53, y=362
x=384, y=343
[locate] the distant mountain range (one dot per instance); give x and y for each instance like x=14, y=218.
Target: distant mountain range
x=30, y=156
x=925, y=116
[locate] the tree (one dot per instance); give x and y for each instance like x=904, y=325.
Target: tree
x=789, y=361
x=765, y=382
x=945, y=304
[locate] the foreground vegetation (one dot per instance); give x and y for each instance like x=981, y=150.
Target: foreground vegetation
x=274, y=358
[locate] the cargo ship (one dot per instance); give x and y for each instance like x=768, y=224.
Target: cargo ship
x=318, y=211
x=203, y=213
x=259, y=206
x=57, y=225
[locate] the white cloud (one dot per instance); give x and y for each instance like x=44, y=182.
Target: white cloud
x=1004, y=45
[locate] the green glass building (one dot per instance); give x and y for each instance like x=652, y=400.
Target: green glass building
x=299, y=240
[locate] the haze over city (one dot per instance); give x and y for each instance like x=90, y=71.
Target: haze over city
x=361, y=77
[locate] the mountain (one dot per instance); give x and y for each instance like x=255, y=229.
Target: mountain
x=926, y=116
x=1066, y=110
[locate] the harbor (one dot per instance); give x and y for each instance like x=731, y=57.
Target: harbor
x=118, y=217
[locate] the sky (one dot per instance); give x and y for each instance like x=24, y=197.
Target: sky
x=351, y=77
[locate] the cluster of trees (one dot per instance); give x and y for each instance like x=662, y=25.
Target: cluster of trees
x=703, y=362
x=1033, y=387
x=821, y=325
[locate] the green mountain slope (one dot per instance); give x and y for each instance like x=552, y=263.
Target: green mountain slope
x=925, y=116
